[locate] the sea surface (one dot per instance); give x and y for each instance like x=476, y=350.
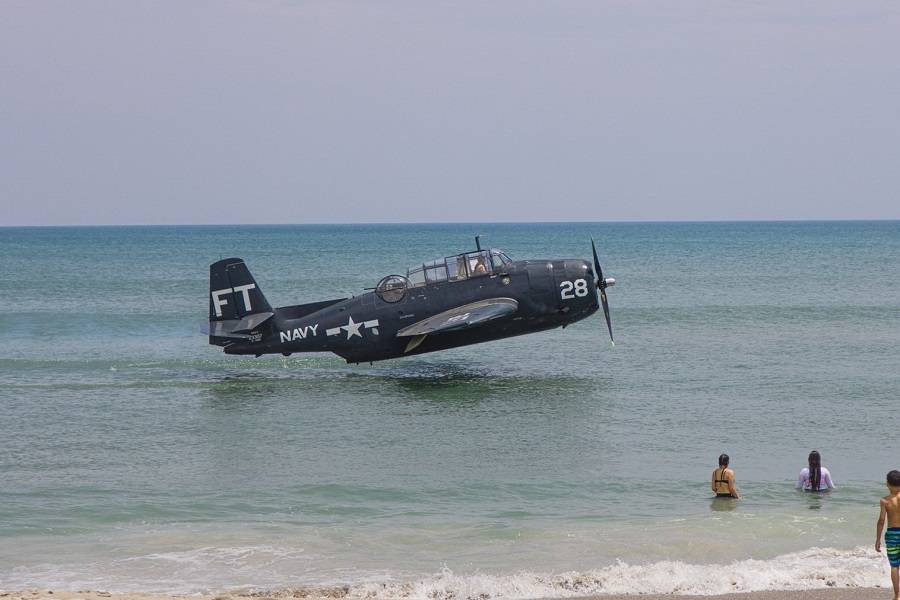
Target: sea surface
x=135, y=456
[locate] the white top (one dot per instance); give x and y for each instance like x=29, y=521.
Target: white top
x=825, y=482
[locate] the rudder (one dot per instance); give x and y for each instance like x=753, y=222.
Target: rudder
x=233, y=293
x=236, y=304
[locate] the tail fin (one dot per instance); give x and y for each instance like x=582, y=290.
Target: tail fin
x=236, y=304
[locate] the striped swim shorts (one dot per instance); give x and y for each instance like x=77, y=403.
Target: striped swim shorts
x=892, y=545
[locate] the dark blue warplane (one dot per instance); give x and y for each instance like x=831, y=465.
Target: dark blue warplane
x=463, y=299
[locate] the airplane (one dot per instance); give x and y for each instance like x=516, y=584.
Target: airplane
x=464, y=299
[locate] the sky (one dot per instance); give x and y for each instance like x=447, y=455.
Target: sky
x=184, y=112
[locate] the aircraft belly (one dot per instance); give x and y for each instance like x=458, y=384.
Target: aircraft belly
x=501, y=329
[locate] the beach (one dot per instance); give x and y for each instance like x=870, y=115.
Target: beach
x=403, y=300
x=825, y=594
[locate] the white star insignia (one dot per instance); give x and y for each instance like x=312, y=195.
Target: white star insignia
x=352, y=328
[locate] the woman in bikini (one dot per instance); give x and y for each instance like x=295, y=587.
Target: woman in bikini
x=723, y=480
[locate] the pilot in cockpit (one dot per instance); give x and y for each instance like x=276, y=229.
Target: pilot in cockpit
x=480, y=268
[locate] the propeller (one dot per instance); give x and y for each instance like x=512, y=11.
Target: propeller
x=602, y=284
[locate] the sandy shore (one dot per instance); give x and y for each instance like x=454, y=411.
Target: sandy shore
x=826, y=594
x=829, y=594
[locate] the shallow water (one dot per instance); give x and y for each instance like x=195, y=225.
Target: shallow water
x=135, y=456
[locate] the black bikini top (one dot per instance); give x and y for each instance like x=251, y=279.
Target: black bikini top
x=723, y=480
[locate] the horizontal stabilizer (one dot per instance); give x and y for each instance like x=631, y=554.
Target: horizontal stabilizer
x=238, y=326
x=462, y=317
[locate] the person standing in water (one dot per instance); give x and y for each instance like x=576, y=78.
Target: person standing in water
x=890, y=508
x=815, y=477
x=723, y=480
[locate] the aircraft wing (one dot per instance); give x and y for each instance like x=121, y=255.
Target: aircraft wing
x=462, y=317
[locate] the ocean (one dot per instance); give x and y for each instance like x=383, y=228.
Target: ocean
x=136, y=457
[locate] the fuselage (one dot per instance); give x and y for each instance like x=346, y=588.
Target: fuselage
x=549, y=293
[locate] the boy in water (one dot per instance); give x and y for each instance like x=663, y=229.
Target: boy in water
x=890, y=506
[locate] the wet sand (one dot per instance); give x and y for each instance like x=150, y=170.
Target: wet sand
x=337, y=593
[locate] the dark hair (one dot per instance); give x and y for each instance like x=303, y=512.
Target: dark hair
x=723, y=460
x=815, y=470
x=893, y=478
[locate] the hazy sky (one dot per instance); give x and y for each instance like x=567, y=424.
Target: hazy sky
x=298, y=112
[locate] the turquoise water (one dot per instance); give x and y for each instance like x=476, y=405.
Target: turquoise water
x=135, y=456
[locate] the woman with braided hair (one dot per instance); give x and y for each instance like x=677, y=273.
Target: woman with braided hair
x=815, y=477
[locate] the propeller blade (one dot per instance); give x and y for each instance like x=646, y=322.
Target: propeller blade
x=606, y=314
x=597, y=268
x=602, y=285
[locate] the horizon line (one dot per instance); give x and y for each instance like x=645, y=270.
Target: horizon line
x=535, y=222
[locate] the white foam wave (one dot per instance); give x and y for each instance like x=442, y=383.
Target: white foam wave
x=809, y=569
x=268, y=568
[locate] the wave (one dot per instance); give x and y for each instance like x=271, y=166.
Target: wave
x=201, y=571
x=810, y=569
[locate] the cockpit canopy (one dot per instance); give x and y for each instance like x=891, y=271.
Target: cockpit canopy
x=459, y=267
